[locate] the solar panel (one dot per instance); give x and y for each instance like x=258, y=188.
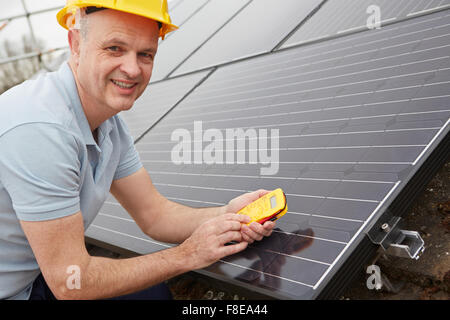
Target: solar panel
x=256, y=29
x=173, y=4
x=193, y=34
x=115, y=227
x=356, y=118
x=158, y=99
x=336, y=17
x=182, y=11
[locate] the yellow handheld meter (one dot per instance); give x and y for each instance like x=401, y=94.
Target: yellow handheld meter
x=269, y=207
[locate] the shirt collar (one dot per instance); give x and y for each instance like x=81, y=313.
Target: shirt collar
x=68, y=81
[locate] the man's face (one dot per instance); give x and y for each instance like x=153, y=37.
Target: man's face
x=115, y=59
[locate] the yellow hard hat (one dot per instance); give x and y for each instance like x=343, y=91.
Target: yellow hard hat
x=152, y=9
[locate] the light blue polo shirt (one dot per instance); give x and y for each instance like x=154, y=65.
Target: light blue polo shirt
x=51, y=167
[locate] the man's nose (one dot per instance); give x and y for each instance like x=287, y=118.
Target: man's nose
x=130, y=66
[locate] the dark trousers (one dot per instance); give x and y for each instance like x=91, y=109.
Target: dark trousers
x=41, y=291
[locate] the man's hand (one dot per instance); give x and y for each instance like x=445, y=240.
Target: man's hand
x=206, y=245
x=255, y=231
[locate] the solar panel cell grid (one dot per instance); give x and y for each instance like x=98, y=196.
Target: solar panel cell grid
x=337, y=17
x=354, y=117
x=184, y=10
x=155, y=102
x=241, y=37
x=198, y=29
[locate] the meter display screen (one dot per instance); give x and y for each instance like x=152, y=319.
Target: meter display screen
x=271, y=207
x=273, y=202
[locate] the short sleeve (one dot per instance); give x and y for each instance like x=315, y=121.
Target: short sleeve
x=40, y=170
x=130, y=161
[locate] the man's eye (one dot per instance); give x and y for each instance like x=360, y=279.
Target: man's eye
x=113, y=48
x=146, y=55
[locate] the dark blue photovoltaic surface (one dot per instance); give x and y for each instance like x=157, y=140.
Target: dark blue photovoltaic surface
x=156, y=100
x=355, y=116
x=339, y=16
x=258, y=28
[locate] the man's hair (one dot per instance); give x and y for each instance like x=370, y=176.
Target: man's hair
x=93, y=9
x=83, y=26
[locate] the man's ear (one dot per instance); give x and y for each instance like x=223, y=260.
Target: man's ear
x=74, y=44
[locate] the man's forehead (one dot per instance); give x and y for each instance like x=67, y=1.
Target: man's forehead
x=89, y=10
x=113, y=17
x=122, y=27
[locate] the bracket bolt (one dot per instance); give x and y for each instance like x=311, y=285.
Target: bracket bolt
x=385, y=227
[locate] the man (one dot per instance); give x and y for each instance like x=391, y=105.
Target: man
x=63, y=148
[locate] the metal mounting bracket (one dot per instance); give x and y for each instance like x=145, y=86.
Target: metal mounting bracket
x=396, y=241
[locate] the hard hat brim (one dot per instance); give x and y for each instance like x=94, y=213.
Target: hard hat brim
x=167, y=27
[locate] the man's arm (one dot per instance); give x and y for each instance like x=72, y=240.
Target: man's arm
x=58, y=244
x=158, y=217
x=168, y=221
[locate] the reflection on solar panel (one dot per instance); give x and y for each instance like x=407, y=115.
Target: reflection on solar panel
x=197, y=30
x=155, y=102
x=357, y=117
x=341, y=16
x=256, y=29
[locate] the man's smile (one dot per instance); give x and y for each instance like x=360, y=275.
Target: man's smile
x=124, y=84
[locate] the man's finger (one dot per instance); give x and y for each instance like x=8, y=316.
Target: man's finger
x=242, y=218
x=230, y=236
x=265, y=229
x=268, y=226
x=247, y=238
x=262, y=192
x=252, y=234
x=259, y=229
x=232, y=249
x=228, y=225
x=255, y=195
